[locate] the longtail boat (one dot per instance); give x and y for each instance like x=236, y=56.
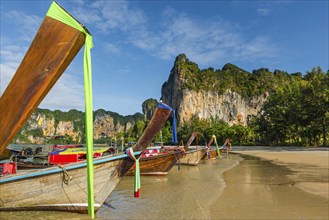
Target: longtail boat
x=210, y=152
x=62, y=188
x=158, y=164
x=192, y=156
x=213, y=153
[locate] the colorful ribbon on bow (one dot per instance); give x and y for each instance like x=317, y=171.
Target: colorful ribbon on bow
x=58, y=13
x=137, y=184
x=218, y=151
x=174, y=128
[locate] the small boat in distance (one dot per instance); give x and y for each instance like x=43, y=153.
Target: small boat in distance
x=192, y=156
x=156, y=162
x=212, y=153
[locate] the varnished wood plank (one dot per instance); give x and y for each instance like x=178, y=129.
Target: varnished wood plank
x=52, y=50
x=156, y=165
x=192, y=157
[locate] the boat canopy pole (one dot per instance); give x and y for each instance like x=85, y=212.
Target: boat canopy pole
x=58, y=13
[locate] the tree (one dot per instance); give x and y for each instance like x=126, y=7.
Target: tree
x=315, y=101
x=297, y=113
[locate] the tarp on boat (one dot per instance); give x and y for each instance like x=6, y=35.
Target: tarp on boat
x=80, y=150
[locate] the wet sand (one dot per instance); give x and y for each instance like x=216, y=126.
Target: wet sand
x=281, y=185
x=311, y=168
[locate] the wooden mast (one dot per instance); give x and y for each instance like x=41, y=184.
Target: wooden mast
x=158, y=120
x=190, y=140
x=52, y=50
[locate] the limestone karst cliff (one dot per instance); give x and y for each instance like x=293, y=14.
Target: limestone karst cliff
x=210, y=94
x=45, y=124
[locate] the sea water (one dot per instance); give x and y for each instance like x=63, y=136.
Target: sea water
x=185, y=193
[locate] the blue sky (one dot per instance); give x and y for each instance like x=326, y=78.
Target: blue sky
x=136, y=42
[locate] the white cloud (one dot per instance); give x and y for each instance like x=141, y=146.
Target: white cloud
x=118, y=15
x=205, y=41
x=112, y=48
x=11, y=57
x=86, y=16
x=263, y=11
x=67, y=93
x=28, y=24
x=7, y=72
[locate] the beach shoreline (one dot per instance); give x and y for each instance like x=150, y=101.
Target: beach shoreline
x=275, y=183
x=310, y=168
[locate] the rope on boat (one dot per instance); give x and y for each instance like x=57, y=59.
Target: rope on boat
x=66, y=176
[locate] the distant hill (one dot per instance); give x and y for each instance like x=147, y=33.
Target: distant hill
x=46, y=126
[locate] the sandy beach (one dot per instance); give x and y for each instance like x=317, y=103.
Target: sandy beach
x=311, y=168
x=281, y=184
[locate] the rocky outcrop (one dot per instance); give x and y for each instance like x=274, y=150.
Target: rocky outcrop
x=104, y=126
x=228, y=106
x=45, y=124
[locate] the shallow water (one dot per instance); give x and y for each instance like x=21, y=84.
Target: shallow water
x=184, y=194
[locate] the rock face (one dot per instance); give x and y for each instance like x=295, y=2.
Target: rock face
x=45, y=124
x=229, y=106
x=104, y=126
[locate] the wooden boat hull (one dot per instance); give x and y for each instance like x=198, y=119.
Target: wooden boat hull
x=158, y=165
x=60, y=189
x=192, y=157
x=210, y=154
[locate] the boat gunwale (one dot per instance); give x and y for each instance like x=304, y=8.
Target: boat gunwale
x=70, y=166
x=164, y=154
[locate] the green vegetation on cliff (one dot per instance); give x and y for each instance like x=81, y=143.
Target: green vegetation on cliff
x=230, y=77
x=149, y=106
x=43, y=124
